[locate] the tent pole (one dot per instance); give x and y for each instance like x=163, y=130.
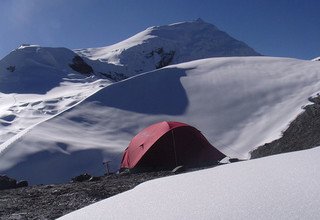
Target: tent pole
x=174, y=148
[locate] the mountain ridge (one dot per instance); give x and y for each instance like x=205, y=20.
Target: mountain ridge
x=159, y=46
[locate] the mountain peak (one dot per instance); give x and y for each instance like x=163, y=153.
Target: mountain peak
x=164, y=45
x=194, y=24
x=199, y=20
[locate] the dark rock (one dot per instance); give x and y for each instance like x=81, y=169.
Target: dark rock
x=94, y=178
x=22, y=183
x=7, y=182
x=81, y=178
x=159, y=50
x=233, y=160
x=80, y=66
x=166, y=59
x=11, y=68
x=114, y=76
x=178, y=169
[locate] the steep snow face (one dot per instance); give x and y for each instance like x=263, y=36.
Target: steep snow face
x=160, y=46
x=37, y=83
x=279, y=187
x=237, y=103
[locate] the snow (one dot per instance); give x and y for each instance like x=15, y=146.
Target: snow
x=237, y=103
x=278, y=187
x=316, y=59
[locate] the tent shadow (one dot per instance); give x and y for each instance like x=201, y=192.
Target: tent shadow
x=157, y=92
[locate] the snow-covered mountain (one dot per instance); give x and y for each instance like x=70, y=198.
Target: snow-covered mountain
x=160, y=46
x=278, y=187
x=237, y=103
x=35, y=69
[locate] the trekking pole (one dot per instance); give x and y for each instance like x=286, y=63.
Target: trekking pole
x=106, y=163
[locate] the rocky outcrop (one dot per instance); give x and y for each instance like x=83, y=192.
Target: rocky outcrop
x=165, y=57
x=302, y=133
x=11, y=68
x=81, y=178
x=114, y=76
x=81, y=66
x=10, y=183
x=7, y=182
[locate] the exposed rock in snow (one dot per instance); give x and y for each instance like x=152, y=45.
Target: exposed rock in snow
x=79, y=65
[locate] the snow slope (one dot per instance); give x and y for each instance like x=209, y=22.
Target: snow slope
x=278, y=187
x=159, y=46
x=237, y=103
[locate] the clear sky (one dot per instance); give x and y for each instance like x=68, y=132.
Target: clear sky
x=286, y=28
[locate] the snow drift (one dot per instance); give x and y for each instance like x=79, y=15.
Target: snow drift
x=237, y=103
x=278, y=187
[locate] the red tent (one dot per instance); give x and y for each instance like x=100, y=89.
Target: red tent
x=166, y=145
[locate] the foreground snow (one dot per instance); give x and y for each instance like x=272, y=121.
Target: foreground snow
x=237, y=103
x=278, y=187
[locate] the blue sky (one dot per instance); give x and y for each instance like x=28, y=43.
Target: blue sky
x=286, y=28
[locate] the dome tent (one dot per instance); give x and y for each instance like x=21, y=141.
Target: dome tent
x=166, y=145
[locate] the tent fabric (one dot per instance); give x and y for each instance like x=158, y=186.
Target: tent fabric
x=167, y=145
